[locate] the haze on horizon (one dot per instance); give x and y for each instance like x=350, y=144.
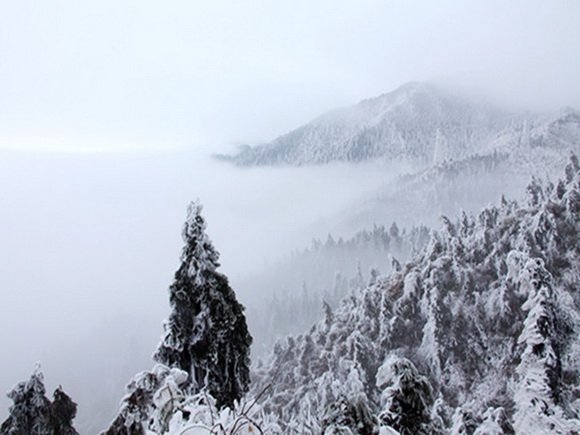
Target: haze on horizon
x=117, y=75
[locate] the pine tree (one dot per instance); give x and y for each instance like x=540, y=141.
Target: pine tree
x=62, y=412
x=28, y=414
x=537, y=393
x=32, y=412
x=406, y=403
x=463, y=423
x=346, y=417
x=206, y=334
x=491, y=300
x=495, y=422
x=152, y=396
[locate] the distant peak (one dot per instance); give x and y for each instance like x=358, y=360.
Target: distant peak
x=415, y=86
x=406, y=90
x=412, y=85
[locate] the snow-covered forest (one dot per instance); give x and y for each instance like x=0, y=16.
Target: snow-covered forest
x=478, y=333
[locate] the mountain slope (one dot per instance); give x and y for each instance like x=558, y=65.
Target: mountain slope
x=477, y=334
x=417, y=122
x=292, y=291
x=504, y=168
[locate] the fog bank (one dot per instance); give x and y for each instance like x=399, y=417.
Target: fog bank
x=91, y=242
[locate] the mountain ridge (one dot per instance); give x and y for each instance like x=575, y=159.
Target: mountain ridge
x=417, y=122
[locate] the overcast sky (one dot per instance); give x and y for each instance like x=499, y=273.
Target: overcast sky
x=125, y=74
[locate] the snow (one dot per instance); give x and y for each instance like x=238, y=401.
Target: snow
x=203, y=257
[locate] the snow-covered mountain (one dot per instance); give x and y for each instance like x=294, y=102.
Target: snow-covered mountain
x=504, y=167
x=418, y=122
x=459, y=153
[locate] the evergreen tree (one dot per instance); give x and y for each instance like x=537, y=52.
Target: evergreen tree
x=32, y=412
x=151, y=398
x=206, y=334
x=463, y=423
x=407, y=401
x=537, y=393
x=348, y=417
x=495, y=422
x=62, y=412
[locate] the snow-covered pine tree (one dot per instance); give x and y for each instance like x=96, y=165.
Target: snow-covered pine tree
x=407, y=398
x=62, y=412
x=206, y=334
x=152, y=397
x=29, y=413
x=495, y=422
x=463, y=423
x=349, y=417
x=32, y=412
x=537, y=392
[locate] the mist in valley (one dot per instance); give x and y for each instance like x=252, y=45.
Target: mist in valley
x=91, y=242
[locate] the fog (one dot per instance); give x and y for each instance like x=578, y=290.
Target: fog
x=120, y=75
x=90, y=243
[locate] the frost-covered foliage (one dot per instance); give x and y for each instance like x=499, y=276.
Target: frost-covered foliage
x=34, y=414
x=157, y=403
x=203, y=359
x=150, y=400
x=539, y=371
x=349, y=417
x=406, y=402
x=478, y=333
x=206, y=334
x=323, y=274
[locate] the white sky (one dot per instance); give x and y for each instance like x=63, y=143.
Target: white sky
x=119, y=74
